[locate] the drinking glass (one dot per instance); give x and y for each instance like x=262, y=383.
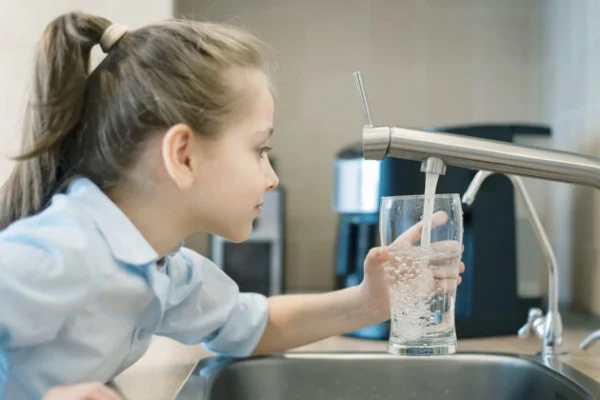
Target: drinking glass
x=421, y=271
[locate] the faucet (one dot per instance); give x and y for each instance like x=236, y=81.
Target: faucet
x=436, y=150
x=549, y=327
x=474, y=153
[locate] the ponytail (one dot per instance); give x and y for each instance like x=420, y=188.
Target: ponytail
x=54, y=111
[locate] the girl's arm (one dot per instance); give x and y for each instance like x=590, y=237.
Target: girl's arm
x=297, y=320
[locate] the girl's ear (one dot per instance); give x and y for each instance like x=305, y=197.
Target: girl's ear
x=177, y=150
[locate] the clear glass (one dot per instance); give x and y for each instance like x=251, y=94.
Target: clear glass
x=422, y=279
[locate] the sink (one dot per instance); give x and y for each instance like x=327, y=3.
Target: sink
x=380, y=376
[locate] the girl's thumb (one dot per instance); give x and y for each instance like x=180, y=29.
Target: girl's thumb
x=376, y=257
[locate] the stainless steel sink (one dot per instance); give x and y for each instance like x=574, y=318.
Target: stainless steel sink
x=379, y=376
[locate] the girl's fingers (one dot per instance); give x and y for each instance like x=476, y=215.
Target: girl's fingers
x=413, y=234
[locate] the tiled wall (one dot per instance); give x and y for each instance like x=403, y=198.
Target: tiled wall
x=569, y=84
x=425, y=63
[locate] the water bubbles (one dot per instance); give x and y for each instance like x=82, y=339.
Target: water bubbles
x=419, y=303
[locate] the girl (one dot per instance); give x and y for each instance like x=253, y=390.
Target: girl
x=167, y=136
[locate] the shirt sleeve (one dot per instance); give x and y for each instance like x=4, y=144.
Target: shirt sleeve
x=205, y=306
x=42, y=278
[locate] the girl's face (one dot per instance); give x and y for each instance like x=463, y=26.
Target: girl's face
x=233, y=171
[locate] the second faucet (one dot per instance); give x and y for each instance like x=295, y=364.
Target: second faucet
x=548, y=327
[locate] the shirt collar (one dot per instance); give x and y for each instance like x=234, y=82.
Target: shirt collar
x=125, y=241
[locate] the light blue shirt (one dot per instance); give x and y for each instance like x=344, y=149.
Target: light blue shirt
x=82, y=292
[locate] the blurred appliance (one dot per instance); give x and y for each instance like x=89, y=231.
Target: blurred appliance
x=487, y=302
x=356, y=195
x=257, y=264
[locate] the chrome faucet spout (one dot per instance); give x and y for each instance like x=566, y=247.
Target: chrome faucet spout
x=481, y=154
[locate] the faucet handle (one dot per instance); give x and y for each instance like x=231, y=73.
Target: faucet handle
x=589, y=340
x=535, y=319
x=364, y=100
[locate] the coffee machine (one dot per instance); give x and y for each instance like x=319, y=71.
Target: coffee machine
x=356, y=201
x=487, y=302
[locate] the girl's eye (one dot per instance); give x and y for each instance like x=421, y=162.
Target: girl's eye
x=263, y=150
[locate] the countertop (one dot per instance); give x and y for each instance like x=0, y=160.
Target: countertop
x=161, y=372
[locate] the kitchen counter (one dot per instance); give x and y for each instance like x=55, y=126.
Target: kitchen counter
x=164, y=368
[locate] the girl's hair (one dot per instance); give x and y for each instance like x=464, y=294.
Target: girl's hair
x=96, y=124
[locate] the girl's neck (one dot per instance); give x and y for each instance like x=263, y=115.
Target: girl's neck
x=156, y=221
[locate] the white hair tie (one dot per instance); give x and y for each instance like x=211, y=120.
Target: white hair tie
x=111, y=36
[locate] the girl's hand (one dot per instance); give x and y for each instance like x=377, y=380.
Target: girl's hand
x=83, y=391
x=374, y=287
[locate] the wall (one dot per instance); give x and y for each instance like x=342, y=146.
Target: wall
x=425, y=63
x=569, y=83
x=21, y=24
